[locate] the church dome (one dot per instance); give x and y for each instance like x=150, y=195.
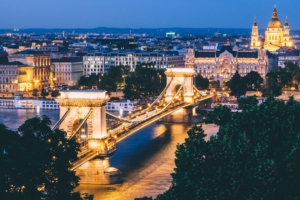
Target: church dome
x=275, y=22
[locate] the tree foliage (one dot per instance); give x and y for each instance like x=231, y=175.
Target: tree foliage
x=275, y=81
x=294, y=70
x=35, y=92
x=246, y=103
x=110, y=81
x=237, y=85
x=253, y=81
x=89, y=81
x=44, y=93
x=201, y=82
x=35, y=162
x=144, y=82
x=55, y=93
x=255, y=155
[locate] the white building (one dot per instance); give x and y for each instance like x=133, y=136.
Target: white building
x=101, y=61
x=293, y=57
x=83, y=46
x=29, y=104
x=67, y=70
x=122, y=105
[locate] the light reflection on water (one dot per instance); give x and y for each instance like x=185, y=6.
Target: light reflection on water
x=13, y=118
x=145, y=158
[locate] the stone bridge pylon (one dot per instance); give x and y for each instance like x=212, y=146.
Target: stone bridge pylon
x=83, y=116
x=180, y=84
x=177, y=77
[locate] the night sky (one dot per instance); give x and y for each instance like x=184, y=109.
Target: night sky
x=145, y=13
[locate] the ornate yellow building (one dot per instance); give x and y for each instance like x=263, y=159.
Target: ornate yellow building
x=40, y=73
x=276, y=35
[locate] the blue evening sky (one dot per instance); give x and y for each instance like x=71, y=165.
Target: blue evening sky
x=145, y=13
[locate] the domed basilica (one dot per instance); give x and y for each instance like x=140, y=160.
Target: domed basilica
x=276, y=35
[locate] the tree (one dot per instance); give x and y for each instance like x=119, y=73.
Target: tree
x=201, y=83
x=38, y=161
x=255, y=155
x=275, y=81
x=144, y=82
x=246, y=103
x=107, y=84
x=35, y=92
x=55, y=93
x=118, y=73
x=253, y=81
x=284, y=78
x=114, y=77
x=189, y=157
x=9, y=142
x=89, y=81
x=294, y=70
x=237, y=85
x=44, y=93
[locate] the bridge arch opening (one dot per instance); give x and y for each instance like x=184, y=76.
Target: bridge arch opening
x=82, y=134
x=176, y=88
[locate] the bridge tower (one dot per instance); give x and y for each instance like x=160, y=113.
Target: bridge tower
x=83, y=116
x=177, y=77
x=180, y=79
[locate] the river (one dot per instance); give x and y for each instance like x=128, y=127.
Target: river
x=145, y=158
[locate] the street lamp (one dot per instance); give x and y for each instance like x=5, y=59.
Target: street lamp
x=124, y=76
x=100, y=77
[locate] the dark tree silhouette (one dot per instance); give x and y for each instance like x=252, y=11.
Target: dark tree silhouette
x=35, y=162
x=255, y=155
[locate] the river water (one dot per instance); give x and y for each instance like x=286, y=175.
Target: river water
x=145, y=158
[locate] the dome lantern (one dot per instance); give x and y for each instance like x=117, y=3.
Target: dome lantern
x=275, y=22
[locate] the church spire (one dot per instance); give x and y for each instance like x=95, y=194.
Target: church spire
x=254, y=23
x=286, y=21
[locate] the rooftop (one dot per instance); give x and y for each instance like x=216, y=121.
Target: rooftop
x=67, y=59
x=11, y=63
x=135, y=52
x=29, y=52
x=291, y=53
x=228, y=48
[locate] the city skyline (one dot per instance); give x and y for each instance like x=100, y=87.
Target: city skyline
x=156, y=14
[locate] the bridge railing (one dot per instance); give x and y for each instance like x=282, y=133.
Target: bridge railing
x=161, y=95
x=143, y=116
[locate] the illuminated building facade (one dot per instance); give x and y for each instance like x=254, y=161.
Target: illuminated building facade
x=220, y=65
x=25, y=79
x=9, y=76
x=67, y=70
x=101, y=61
x=42, y=69
x=276, y=35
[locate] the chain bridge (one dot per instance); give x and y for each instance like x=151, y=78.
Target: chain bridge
x=83, y=116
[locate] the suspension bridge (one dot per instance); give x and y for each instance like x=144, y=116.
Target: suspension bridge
x=83, y=116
